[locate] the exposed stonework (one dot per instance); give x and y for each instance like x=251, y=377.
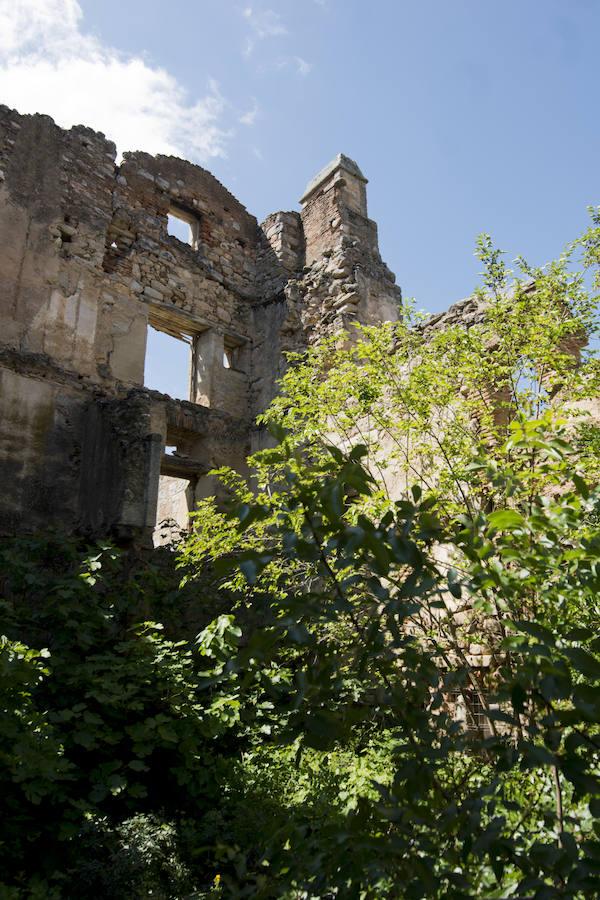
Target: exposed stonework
x=88, y=265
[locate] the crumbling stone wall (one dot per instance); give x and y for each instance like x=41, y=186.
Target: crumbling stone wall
x=88, y=265
x=340, y=277
x=345, y=279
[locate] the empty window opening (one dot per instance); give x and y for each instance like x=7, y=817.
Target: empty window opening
x=176, y=501
x=167, y=367
x=184, y=226
x=234, y=355
x=179, y=229
x=171, y=448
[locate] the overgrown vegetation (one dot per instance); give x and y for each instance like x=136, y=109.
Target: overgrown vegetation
x=422, y=541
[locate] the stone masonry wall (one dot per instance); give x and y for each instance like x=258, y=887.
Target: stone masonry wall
x=88, y=265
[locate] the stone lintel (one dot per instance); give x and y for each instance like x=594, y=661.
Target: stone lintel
x=182, y=466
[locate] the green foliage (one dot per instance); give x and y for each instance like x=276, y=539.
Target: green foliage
x=137, y=858
x=109, y=721
x=377, y=608
x=370, y=645
x=394, y=691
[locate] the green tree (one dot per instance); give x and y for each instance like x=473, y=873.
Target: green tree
x=368, y=613
x=344, y=658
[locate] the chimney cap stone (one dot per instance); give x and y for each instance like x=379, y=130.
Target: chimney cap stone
x=340, y=162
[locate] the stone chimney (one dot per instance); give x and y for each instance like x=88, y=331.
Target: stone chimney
x=344, y=174
x=349, y=281
x=334, y=204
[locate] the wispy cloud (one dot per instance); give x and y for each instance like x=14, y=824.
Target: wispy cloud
x=266, y=23
x=302, y=66
x=295, y=63
x=249, y=117
x=49, y=64
x=263, y=23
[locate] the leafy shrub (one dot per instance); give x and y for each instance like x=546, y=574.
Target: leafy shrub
x=107, y=723
x=367, y=645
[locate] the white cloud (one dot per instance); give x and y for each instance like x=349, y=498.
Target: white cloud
x=264, y=23
x=249, y=117
x=22, y=22
x=302, y=66
x=49, y=65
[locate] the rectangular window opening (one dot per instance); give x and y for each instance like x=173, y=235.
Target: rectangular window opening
x=167, y=366
x=183, y=225
x=234, y=355
x=175, y=502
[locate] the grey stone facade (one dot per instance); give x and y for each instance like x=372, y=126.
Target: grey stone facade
x=88, y=265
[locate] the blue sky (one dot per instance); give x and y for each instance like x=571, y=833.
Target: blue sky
x=466, y=116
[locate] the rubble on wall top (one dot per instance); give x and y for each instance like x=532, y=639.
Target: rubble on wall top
x=470, y=311
x=177, y=166
x=341, y=161
x=74, y=130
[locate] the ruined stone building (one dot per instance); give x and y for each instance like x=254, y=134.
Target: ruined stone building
x=88, y=266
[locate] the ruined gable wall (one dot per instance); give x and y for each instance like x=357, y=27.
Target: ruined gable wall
x=88, y=265
x=203, y=291
x=212, y=283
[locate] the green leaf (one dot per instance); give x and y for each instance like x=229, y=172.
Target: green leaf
x=505, y=520
x=454, y=583
x=580, y=485
x=540, y=632
x=583, y=661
